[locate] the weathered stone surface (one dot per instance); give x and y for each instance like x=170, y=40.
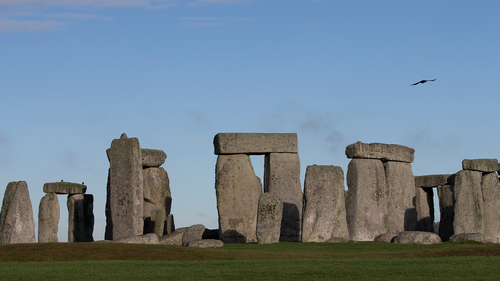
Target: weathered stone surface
x=149, y=238
x=334, y=239
x=80, y=217
x=206, y=243
x=447, y=210
x=386, y=152
x=48, y=218
x=325, y=213
x=469, y=206
x=491, y=202
x=255, y=143
x=481, y=165
x=193, y=233
x=125, y=191
x=64, y=188
x=468, y=237
x=153, y=157
x=269, y=219
x=424, y=203
x=16, y=218
x=157, y=199
x=282, y=178
x=417, y=237
x=174, y=238
x=386, y=237
x=432, y=180
x=366, y=203
x=170, y=224
x=401, y=210
x=238, y=191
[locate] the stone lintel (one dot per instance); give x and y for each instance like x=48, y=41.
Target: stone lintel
x=255, y=143
x=433, y=180
x=153, y=157
x=385, y=152
x=481, y=165
x=64, y=188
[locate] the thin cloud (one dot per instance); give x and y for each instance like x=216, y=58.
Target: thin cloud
x=28, y=25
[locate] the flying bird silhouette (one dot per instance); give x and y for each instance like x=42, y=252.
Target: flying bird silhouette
x=422, y=82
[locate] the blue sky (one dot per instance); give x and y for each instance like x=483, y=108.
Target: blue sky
x=76, y=74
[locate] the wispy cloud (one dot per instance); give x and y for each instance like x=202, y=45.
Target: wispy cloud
x=28, y=25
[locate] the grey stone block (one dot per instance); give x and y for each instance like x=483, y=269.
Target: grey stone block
x=433, y=180
x=149, y=238
x=386, y=152
x=206, y=243
x=424, y=203
x=417, y=237
x=469, y=205
x=468, y=237
x=481, y=165
x=269, y=219
x=255, y=143
x=174, y=238
x=153, y=157
x=386, y=237
x=491, y=203
x=80, y=217
x=447, y=210
x=16, y=218
x=64, y=188
x=193, y=233
x=157, y=199
x=48, y=218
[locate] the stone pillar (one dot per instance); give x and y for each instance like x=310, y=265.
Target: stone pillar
x=126, y=193
x=491, y=201
x=238, y=190
x=282, y=178
x=424, y=201
x=80, y=217
x=447, y=210
x=324, y=211
x=469, y=209
x=157, y=199
x=48, y=218
x=16, y=218
x=269, y=219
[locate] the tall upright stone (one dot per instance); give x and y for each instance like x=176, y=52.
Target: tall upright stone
x=424, y=202
x=282, y=178
x=366, y=201
x=126, y=193
x=401, y=210
x=238, y=190
x=469, y=206
x=269, y=219
x=80, y=217
x=16, y=218
x=157, y=199
x=324, y=211
x=491, y=200
x=48, y=218
x=447, y=210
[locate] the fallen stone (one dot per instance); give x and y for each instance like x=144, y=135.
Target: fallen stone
x=469, y=205
x=192, y=233
x=149, y=238
x=269, y=219
x=48, y=218
x=447, y=210
x=417, y=237
x=386, y=152
x=491, y=203
x=481, y=165
x=325, y=213
x=468, y=237
x=157, y=199
x=206, y=243
x=80, y=217
x=386, y=237
x=174, y=238
x=16, y=218
x=153, y=157
x=424, y=204
x=255, y=143
x=432, y=180
x=64, y=188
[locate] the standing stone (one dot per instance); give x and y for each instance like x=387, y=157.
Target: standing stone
x=48, y=218
x=80, y=217
x=126, y=193
x=491, y=201
x=16, y=219
x=401, y=211
x=366, y=201
x=469, y=209
x=157, y=199
x=238, y=190
x=269, y=219
x=424, y=202
x=325, y=213
x=447, y=210
x=282, y=178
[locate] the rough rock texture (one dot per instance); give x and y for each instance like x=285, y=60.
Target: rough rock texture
x=417, y=237
x=80, y=217
x=424, y=203
x=386, y=237
x=282, y=178
x=269, y=219
x=386, y=152
x=125, y=191
x=149, y=238
x=64, y=188
x=193, y=233
x=481, y=165
x=238, y=191
x=153, y=157
x=432, y=180
x=157, y=199
x=491, y=202
x=325, y=213
x=467, y=237
x=206, y=243
x=447, y=210
x=334, y=239
x=366, y=203
x=48, y=218
x=16, y=219
x=170, y=226
x=469, y=209
x=401, y=211
x=174, y=238
x=254, y=143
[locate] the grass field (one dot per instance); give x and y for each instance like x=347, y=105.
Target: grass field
x=283, y=261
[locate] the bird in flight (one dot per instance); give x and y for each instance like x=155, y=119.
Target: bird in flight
x=422, y=82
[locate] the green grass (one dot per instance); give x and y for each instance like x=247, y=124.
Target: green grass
x=283, y=261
